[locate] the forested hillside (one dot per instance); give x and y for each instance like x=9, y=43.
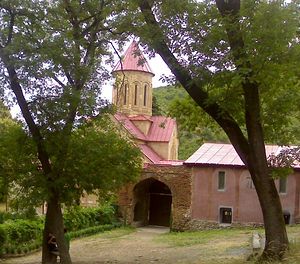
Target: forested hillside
x=173, y=101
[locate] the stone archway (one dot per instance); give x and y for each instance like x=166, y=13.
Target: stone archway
x=152, y=203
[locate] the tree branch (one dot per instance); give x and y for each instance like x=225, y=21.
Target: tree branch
x=10, y=28
x=193, y=87
x=33, y=128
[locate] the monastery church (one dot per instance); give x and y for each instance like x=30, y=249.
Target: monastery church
x=209, y=189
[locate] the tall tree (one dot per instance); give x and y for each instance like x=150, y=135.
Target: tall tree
x=51, y=55
x=237, y=62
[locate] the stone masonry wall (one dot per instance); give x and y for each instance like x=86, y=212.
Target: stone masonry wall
x=178, y=179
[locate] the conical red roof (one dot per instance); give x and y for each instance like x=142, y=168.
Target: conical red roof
x=133, y=60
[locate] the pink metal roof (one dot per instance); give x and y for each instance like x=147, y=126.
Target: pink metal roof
x=223, y=154
x=129, y=126
x=161, y=128
x=133, y=60
x=156, y=159
x=150, y=153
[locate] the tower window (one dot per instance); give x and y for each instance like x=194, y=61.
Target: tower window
x=135, y=94
x=117, y=95
x=125, y=94
x=145, y=95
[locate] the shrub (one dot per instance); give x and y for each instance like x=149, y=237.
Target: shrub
x=1, y=217
x=78, y=218
x=21, y=231
x=3, y=236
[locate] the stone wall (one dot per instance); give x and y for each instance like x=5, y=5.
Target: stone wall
x=178, y=179
x=197, y=224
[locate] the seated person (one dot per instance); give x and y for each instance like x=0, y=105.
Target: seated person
x=52, y=245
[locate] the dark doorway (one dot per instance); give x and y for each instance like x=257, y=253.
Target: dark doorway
x=153, y=202
x=226, y=215
x=160, y=204
x=287, y=217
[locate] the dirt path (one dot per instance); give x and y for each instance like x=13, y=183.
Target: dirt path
x=135, y=247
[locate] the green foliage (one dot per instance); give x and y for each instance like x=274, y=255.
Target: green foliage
x=166, y=94
x=195, y=127
x=16, y=157
x=156, y=108
x=77, y=218
x=3, y=237
x=99, y=158
x=92, y=230
x=20, y=231
x=281, y=164
x=59, y=67
x=22, y=235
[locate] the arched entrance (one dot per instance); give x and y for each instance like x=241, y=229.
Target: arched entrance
x=153, y=200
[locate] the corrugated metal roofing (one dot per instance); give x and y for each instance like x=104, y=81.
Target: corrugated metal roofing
x=150, y=153
x=156, y=159
x=129, y=126
x=223, y=154
x=161, y=128
x=133, y=60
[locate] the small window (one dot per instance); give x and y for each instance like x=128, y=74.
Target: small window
x=221, y=180
x=250, y=184
x=135, y=94
x=145, y=95
x=225, y=215
x=282, y=185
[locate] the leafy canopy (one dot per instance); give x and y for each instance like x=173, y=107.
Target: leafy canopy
x=56, y=52
x=194, y=32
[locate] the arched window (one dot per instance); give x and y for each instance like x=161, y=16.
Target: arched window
x=135, y=94
x=125, y=94
x=145, y=95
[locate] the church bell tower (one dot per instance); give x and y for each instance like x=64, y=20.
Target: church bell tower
x=132, y=92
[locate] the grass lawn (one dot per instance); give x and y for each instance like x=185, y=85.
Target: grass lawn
x=228, y=245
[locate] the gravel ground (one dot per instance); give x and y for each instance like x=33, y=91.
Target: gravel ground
x=140, y=246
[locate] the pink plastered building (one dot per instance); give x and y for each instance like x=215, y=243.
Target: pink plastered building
x=223, y=192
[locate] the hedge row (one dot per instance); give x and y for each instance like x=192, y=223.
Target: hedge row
x=29, y=247
x=79, y=218
x=26, y=235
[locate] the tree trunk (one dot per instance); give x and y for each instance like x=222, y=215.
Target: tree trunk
x=275, y=231
x=256, y=160
x=54, y=224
